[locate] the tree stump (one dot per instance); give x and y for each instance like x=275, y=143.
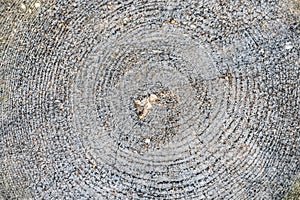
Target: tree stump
x=149, y=99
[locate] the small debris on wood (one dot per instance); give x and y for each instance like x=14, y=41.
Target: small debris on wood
x=228, y=76
x=153, y=98
x=171, y=21
x=174, y=22
x=143, y=106
x=147, y=141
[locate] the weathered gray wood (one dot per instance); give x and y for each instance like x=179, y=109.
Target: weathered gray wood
x=149, y=99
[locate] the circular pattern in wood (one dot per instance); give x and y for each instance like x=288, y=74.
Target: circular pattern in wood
x=148, y=100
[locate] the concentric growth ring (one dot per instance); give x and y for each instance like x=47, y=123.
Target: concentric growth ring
x=149, y=100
